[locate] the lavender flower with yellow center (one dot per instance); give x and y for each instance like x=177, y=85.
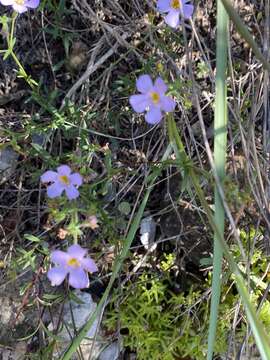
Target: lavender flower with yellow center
x=21, y=6
x=175, y=9
x=62, y=180
x=152, y=99
x=72, y=263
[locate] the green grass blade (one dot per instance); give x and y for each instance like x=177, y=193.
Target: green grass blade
x=117, y=266
x=260, y=337
x=220, y=144
x=262, y=340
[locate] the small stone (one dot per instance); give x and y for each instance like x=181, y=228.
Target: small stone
x=111, y=352
x=39, y=139
x=148, y=233
x=78, y=56
x=9, y=307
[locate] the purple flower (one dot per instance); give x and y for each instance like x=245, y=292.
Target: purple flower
x=74, y=263
x=62, y=180
x=152, y=99
x=21, y=5
x=175, y=8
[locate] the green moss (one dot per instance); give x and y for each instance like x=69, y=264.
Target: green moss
x=161, y=324
x=164, y=325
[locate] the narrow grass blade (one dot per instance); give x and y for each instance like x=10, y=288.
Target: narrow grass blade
x=262, y=340
x=117, y=266
x=220, y=145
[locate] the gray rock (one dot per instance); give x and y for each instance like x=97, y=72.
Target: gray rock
x=79, y=313
x=9, y=307
x=111, y=352
x=16, y=353
x=8, y=163
x=75, y=315
x=16, y=320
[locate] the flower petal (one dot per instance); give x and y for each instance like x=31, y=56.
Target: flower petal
x=72, y=192
x=60, y=257
x=167, y=103
x=164, y=5
x=144, y=84
x=19, y=8
x=78, y=278
x=76, y=251
x=172, y=19
x=49, y=176
x=160, y=86
x=64, y=170
x=7, y=2
x=57, y=275
x=76, y=179
x=54, y=190
x=188, y=11
x=32, y=3
x=153, y=116
x=139, y=102
x=89, y=265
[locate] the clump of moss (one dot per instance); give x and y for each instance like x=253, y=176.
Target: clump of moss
x=161, y=324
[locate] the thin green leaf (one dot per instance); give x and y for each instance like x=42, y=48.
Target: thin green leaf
x=220, y=144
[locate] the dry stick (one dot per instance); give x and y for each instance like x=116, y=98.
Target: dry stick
x=242, y=29
x=246, y=152
x=111, y=136
x=211, y=160
x=46, y=49
x=91, y=68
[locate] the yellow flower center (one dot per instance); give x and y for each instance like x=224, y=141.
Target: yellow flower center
x=19, y=2
x=176, y=4
x=64, y=179
x=73, y=262
x=155, y=97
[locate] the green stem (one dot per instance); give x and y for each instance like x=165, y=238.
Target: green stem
x=10, y=41
x=75, y=223
x=10, y=38
x=17, y=61
x=26, y=77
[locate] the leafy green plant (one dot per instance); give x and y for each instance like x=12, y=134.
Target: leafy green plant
x=161, y=324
